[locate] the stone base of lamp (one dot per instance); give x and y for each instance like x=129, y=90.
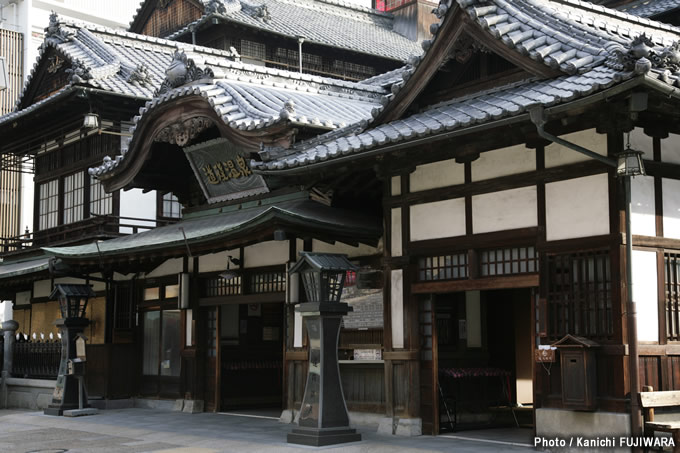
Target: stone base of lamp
x=319, y=437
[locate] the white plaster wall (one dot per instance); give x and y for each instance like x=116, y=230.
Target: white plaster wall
x=577, y=207
x=505, y=210
x=556, y=155
x=670, y=149
x=96, y=286
x=503, y=162
x=439, y=219
x=397, y=307
x=395, y=183
x=268, y=253
x=339, y=247
x=645, y=295
x=172, y=266
x=137, y=204
x=395, y=239
x=641, y=142
x=217, y=262
x=473, y=316
x=23, y=298
x=643, y=210
x=671, y=207
x=437, y=174
x=42, y=288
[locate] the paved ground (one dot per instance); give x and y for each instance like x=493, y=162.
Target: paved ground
x=146, y=430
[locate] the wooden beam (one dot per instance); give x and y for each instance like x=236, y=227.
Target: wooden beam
x=505, y=282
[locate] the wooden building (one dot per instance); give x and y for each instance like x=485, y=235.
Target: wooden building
x=501, y=240
x=337, y=39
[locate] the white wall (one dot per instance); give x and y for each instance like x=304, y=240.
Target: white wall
x=266, y=254
x=503, y=162
x=670, y=149
x=397, y=307
x=671, y=207
x=349, y=250
x=556, y=155
x=139, y=205
x=395, y=233
x=437, y=174
x=643, y=209
x=645, y=295
x=172, y=266
x=439, y=219
x=504, y=210
x=641, y=142
x=577, y=207
x=217, y=262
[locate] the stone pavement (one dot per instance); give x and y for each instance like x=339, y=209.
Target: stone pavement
x=147, y=430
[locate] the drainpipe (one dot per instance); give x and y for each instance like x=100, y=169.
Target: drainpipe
x=193, y=35
x=538, y=117
x=300, y=41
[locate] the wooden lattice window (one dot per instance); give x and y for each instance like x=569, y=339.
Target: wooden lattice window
x=252, y=49
x=508, y=261
x=219, y=286
x=124, y=305
x=268, y=282
x=579, y=295
x=48, y=214
x=445, y=267
x=672, y=292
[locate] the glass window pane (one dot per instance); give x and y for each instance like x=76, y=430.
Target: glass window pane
x=151, y=342
x=170, y=343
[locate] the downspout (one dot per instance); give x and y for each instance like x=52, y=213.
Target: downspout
x=538, y=117
x=300, y=41
x=193, y=35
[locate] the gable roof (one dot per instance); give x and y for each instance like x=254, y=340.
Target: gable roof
x=115, y=61
x=325, y=22
x=650, y=8
x=592, y=47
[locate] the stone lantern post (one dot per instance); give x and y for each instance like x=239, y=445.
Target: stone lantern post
x=67, y=392
x=323, y=416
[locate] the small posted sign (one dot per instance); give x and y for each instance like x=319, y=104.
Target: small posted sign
x=80, y=347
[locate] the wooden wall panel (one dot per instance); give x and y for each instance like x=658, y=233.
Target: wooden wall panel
x=164, y=21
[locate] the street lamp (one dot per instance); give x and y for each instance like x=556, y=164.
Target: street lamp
x=69, y=393
x=323, y=416
x=629, y=165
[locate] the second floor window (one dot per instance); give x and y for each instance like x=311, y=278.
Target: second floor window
x=101, y=203
x=170, y=207
x=49, y=204
x=73, y=198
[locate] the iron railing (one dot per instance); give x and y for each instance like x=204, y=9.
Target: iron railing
x=36, y=359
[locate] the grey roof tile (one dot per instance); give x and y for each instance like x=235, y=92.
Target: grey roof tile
x=650, y=8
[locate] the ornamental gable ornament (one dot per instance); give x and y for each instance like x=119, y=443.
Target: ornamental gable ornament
x=79, y=73
x=182, y=71
x=55, y=31
x=140, y=76
x=642, y=56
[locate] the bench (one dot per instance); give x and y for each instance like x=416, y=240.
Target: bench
x=649, y=399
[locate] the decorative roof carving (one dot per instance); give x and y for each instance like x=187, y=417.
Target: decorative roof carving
x=262, y=13
x=465, y=47
x=140, y=76
x=79, y=73
x=642, y=56
x=56, y=63
x=182, y=71
x=288, y=109
x=56, y=31
x=183, y=132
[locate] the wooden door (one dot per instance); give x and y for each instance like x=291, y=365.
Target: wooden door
x=429, y=393
x=211, y=362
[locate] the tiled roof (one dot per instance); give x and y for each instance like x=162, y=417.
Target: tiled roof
x=594, y=47
x=251, y=97
x=108, y=58
x=650, y=8
x=330, y=23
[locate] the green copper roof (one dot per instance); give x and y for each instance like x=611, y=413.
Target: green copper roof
x=313, y=217
x=18, y=268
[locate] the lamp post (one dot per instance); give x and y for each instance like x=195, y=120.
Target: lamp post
x=629, y=165
x=69, y=392
x=323, y=416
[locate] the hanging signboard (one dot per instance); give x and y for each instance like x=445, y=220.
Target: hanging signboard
x=223, y=170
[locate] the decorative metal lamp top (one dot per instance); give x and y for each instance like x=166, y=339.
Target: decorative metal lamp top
x=323, y=275
x=629, y=162
x=72, y=299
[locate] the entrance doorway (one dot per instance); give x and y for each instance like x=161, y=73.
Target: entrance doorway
x=247, y=357
x=481, y=367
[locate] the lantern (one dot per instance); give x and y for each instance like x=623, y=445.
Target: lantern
x=72, y=299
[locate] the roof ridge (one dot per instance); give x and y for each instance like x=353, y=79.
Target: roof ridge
x=347, y=5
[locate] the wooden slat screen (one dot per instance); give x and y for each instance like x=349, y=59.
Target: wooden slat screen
x=11, y=46
x=579, y=295
x=672, y=291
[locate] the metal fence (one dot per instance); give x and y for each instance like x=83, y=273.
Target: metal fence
x=36, y=359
